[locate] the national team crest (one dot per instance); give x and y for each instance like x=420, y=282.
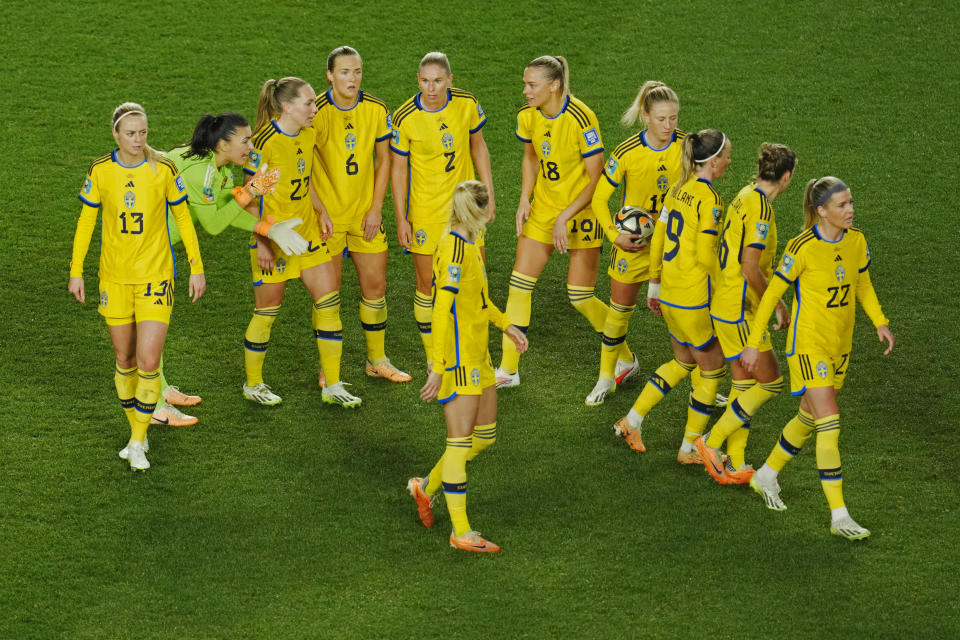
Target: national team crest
x=621, y=266
x=129, y=199
x=545, y=147
x=301, y=166
x=786, y=264
x=88, y=184
x=475, y=377
x=350, y=141
x=822, y=370
x=421, y=236
x=281, y=265
x=612, y=165
x=762, y=229
x=446, y=140
x=591, y=136
x=840, y=272
x=254, y=159
x=103, y=299
x=662, y=182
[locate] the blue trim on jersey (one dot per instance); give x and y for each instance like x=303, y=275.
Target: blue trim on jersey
x=406, y=205
x=796, y=317
x=867, y=266
x=178, y=201
x=678, y=306
x=330, y=98
x=416, y=100
x=398, y=152
x=454, y=233
x=389, y=134
x=113, y=155
x=783, y=277
x=709, y=182
x=610, y=180
x=562, y=109
x=727, y=321
x=736, y=357
x=591, y=153
x=761, y=192
x=757, y=245
x=450, y=288
x=623, y=194
x=277, y=127
x=257, y=283
x=700, y=348
x=816, y=232
x=248, y=172
x=166, y=222
x=643, y=139
x=479, y=126
x=799, y=393
x=522, y=139
x=456, y=332
x=87, y=202
x=710, y=232
x=447, y=399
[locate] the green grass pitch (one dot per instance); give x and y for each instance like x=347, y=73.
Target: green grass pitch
x=293, y=522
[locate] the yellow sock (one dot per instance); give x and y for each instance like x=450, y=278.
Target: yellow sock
x=125, y=380
x=589, y=306
x=744, y=407
x=702, y=400
x=255, y=343
x=663, y=379
x=484, y=436
x=148, y=389
x=614, y=339
x=828, y=459
x=329, y=334
x=792, y=439
x=435, y=478
x=423, y=314
x=519, y=301
x=373, y=319
x=729, y=421
x=455, y=482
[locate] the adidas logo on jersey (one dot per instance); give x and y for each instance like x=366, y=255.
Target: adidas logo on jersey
x=349, y=126
x=546, y=135
x=443, y=125
x=299, y=151
x=838, y=258
x=663, y=167
x=159, y=301
x=129, y=185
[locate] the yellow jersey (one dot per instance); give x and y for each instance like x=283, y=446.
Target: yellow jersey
x=561, y=143
x=293, y=155
x=750, y=222
x=344, y=154
x=462, y=308
x=135, y=242
x=690, y=220
x=436, y=145
x=827, y=278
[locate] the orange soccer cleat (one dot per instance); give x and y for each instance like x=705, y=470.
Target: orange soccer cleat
x=424, y=502
x=173, y=395
x=471, y=541
x=631, y=435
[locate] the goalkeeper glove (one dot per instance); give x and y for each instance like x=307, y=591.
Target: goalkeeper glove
x=263, y=182
x=289, y=241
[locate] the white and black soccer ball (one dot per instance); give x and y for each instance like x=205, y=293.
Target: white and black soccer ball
x=634, y=221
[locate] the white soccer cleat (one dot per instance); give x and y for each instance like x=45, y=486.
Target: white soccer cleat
x=125, y=452
x=506, y=380
x=849, y=529
x=134, y=454
x=770, y=492
x=601, y=390
x=337, y=394
x=626, y=369
x=261, y=394
x=172, y=417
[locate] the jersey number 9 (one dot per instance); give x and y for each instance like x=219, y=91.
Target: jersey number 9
x=673, y=231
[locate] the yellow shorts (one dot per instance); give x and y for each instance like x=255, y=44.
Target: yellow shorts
x=583, y=230
x=128, y=303
x=629, y=268
x=816, y=370
x=350, y=236
x=426, y=237
x=691, y=327
x=733, y=336
x=286, y=267
x=466, y=380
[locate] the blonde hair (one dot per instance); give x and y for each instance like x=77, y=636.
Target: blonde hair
x=814, y=194
x=273, y=95
x=438, y=58
x=129, y=109
x=706, y=144
x=554, y=68
x=652, y=92
x=469, y=208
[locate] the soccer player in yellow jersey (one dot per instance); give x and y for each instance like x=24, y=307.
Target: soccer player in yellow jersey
x=438, y=141
x=828, y=267
x=684, y=247
x=284, y=140
x=748, y=245
x=351, y=170
x=462, y=377
x=133, y=186
x=645, y=165
x=562, y=162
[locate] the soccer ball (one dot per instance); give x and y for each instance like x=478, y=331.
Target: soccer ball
x=634, y=221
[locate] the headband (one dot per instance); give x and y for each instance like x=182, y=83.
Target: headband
x=133, y=112
x=723, y=143
x=822, y=200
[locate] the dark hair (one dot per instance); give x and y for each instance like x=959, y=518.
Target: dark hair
x=336, y=53
x=210, y=130
x=774, y=160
